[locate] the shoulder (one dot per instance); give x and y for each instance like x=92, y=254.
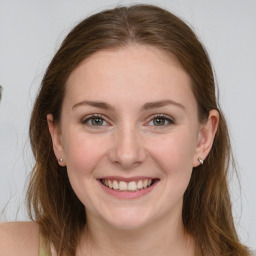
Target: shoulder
x=19, y=238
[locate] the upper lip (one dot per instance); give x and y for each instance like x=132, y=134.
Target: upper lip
x=126, y=179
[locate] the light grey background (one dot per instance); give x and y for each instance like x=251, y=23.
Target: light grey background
x=30, y=33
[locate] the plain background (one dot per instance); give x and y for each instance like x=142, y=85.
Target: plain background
x=31, y=32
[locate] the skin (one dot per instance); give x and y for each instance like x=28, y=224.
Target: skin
x=19, y=238
x=129, y=142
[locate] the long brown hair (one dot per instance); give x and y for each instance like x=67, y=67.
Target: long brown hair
x=51, y=201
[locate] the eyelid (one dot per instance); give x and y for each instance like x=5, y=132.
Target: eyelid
x=167, y=117
x=86, y=118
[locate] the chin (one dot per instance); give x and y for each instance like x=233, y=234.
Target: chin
x=128, y=220
x=128, y=225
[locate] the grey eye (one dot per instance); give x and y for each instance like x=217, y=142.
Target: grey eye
x=160, y=121
x=96, y=121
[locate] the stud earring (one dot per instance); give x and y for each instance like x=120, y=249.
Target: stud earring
x=61, y=160
x=201, y=161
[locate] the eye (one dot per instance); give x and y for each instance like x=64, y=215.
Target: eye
x=95, y=121
x=160, y=120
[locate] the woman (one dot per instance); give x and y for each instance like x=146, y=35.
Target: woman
x=131, y=148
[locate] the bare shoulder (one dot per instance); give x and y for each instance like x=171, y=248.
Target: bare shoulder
x=19, y=238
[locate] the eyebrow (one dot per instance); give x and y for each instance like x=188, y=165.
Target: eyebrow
x=96, y=104
x=162, y=103
x=146, y=106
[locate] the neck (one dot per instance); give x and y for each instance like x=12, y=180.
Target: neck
x=162, y=238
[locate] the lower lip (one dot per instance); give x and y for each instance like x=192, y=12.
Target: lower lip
x=128, y=195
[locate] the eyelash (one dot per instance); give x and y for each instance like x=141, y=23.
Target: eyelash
x=163, y=117
x=87, y=119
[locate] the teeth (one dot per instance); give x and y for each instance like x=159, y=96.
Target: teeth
x=109, y=184
x=132, y=186
x=128, y=186
x=140, y=184
x=115, y=185
x=122, y=185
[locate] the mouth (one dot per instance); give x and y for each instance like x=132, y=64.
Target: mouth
x=128, y=186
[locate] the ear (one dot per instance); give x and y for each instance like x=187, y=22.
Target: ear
x=55, y=132
x=206, y=137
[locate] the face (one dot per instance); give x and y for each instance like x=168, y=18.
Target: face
x=129, y=135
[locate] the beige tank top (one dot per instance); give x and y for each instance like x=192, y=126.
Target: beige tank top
x=43, y=250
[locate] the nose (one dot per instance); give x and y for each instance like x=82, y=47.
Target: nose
x=127, y=150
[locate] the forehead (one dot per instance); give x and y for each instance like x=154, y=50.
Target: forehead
x=134, y=71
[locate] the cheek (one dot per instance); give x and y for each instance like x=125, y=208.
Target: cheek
x=174, y=153
x=83, y=152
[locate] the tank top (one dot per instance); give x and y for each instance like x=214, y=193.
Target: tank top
x=43, y=251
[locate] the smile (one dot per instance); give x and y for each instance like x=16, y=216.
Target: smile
x=131, y=186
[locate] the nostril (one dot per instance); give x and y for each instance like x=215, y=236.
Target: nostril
x=127, y=151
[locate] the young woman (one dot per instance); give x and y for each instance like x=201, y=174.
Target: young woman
x=131, y=148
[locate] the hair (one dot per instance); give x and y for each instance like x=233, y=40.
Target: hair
x=1, y=88
x=51, y=201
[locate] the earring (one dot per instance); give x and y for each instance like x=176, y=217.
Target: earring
x=61, y=160
x=201, y=161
